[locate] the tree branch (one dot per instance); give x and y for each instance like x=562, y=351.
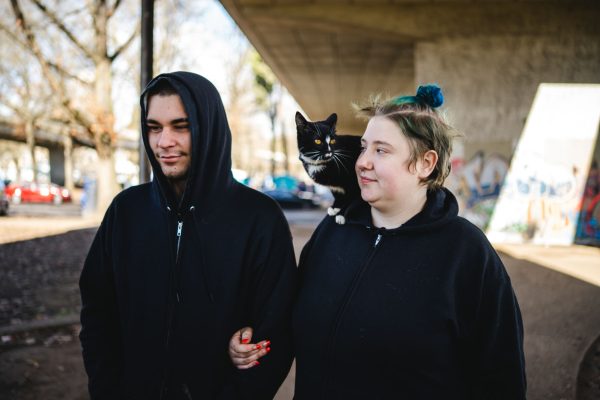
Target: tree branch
x=113, y=9
x=125, y=44
x=56, y=67
x=77, y=116
x=52, y=16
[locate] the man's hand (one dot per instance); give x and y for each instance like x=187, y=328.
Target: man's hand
x=244, y=354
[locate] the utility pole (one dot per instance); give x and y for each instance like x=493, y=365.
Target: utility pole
x=146, y=73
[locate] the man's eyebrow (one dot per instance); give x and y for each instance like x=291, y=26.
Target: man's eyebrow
x=174, y=122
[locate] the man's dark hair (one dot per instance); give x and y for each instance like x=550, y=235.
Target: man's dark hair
x=162, y=88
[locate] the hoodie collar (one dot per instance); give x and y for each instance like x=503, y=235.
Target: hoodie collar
x=209, y=178
x=440, y=208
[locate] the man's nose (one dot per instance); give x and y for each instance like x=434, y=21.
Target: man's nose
x=166, y=138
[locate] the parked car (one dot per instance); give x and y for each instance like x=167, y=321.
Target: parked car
x=30, y=192
x=288, y=199
x=3, y=199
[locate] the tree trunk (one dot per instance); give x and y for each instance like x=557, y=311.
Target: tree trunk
x=104, y=135
x=106, y=182
x=273, y=143
x=30, y=138
x=286, y=164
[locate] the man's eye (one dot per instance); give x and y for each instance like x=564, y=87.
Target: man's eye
x=182, y=127
x=362, y=149
x=154, y=128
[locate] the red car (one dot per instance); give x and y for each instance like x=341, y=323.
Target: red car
x=29, y=192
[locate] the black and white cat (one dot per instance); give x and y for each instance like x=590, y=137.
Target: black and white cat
x=329, y=160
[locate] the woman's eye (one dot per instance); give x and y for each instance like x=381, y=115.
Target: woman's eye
x=362, y=149
x=318, y=141
x=182, y=127
x=380, y=151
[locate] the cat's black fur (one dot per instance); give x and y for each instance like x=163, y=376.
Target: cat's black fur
x=329, y=158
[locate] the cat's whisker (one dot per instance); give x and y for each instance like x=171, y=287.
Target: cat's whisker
x=343, y=155
x=341, y=162
x=337, y=163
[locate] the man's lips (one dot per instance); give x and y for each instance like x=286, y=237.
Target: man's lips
x=169, y=158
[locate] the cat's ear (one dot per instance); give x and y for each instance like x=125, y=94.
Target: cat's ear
x=332, y=119
x=300, y=120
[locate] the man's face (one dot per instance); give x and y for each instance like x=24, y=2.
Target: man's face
x=169, y=135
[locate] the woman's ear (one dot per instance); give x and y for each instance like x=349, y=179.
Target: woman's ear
x=427, y=164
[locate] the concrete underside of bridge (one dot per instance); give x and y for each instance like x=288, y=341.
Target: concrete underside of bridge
x=488, y=56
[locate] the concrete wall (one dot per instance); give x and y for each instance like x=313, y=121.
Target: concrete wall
x=490, y=81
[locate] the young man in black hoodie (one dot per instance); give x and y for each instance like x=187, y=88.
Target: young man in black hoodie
x=181, y=263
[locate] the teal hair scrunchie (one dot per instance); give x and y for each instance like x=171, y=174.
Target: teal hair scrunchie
x=430, y=95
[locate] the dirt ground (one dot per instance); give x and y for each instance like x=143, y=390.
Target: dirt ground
x=38, y=283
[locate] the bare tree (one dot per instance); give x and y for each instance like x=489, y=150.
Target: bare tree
x=78, y=68
x=22, y=92
x=268, y=98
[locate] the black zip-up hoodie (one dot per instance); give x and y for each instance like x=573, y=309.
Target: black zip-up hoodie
x=424, y=311
x=167, y=283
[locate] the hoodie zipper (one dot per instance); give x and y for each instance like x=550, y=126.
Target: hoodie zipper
x=348, y=298
x=178, y=234
x=179, y=230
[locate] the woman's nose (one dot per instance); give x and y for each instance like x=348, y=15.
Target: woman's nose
x=363, y=161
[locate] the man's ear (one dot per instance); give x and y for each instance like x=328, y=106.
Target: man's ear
x=427, y=163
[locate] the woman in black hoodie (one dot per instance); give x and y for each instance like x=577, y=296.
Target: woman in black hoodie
x=407, y=300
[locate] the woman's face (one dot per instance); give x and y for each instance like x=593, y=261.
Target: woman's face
x=385, y=179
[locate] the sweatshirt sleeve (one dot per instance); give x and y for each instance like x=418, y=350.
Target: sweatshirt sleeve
x=274, y=290
x=99, y=319
x=497, y=342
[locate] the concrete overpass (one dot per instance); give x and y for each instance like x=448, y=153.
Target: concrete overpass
x=57, y=144
x=488, y=56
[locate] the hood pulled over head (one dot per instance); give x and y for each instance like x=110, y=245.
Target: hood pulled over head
x=209, y=175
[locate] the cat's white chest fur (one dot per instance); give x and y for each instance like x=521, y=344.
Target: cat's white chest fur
x=313, y=169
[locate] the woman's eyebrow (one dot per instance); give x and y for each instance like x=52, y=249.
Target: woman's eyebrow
x=376, y=142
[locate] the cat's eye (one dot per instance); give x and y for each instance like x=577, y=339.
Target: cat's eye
x=318, y=141
x=332, y=141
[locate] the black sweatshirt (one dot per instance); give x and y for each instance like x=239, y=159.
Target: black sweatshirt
x=154, y=327
x=423, y=311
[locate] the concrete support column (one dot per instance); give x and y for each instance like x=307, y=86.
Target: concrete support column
x=57, y=165
x=68, y=156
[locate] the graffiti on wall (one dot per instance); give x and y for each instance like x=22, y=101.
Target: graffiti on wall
x=477, y=185
x=588, y=226
x=541, y=200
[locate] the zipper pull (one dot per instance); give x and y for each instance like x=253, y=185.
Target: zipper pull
x=179, y=227
x=377, y=240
